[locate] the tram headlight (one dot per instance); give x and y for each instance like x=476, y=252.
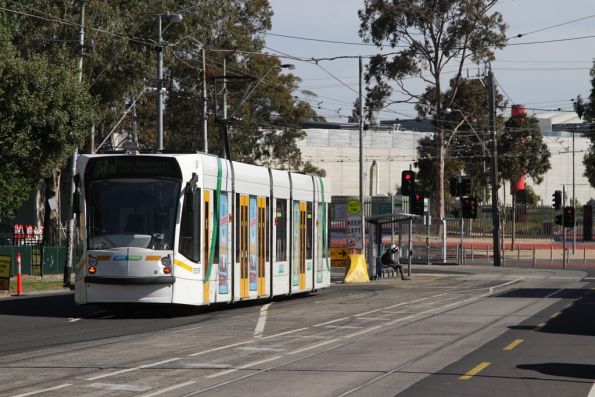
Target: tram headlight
x=166, y=263
x=92, y=269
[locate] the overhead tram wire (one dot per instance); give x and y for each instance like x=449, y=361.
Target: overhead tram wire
x=552, y=26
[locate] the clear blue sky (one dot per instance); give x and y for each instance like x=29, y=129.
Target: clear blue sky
x=542, y=76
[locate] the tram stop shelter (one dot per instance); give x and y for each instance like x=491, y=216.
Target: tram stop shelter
x=375, y=238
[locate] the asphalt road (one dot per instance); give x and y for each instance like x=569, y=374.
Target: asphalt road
x=450, y=331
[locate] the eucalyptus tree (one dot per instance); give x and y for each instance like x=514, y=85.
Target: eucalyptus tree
x=428, y=36
x=120, y=67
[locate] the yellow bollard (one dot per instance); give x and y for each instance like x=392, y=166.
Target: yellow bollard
x=358, y=270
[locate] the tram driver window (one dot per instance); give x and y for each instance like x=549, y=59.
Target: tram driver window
x=189, y=226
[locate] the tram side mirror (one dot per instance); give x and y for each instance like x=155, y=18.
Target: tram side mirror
x=76, y=203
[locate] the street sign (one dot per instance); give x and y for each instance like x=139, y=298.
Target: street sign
x=339, y=254
x=354, y=232
x=486, y=209
x=4, y=272
x=354, y=207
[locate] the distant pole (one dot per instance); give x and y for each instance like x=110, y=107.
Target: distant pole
x=361, y=152
x=159, y=86
x=573, y=201
x=204, y=102
x=70, y=228
x=495, y=213
x=564, y=259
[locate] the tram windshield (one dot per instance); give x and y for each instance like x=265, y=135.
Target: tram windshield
x=132, y=212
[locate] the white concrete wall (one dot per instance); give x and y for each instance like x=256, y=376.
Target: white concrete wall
x=337, y=151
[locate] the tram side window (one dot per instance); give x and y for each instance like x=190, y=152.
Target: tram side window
x=309, y=230
x=281, y=230
x=189, y=226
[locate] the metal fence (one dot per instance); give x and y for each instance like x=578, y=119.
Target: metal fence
x=36, y=259
x=524, y=222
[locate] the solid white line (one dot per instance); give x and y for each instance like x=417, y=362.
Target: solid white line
x=185, y=330
x=252, y=364
x=122, y=371
x=374, y=318
x=592, y=391
x=220, y=348
x=260, y=349
x=118, y=387
x=313, y=346
x=31, y=393
x=168, y=389
x=285, y=333
x=332, y=321
x=207, y=365
x=262, y=319
x=343, y=326
x=363, y=331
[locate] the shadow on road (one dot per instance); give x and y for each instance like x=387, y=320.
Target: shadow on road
x=566, y=370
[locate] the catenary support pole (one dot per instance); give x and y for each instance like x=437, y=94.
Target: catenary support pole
x=494, y=176
x=361, y=153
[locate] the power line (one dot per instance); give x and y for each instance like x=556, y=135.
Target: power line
x=552, y=26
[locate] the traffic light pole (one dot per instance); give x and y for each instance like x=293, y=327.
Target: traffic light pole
x=564, y=259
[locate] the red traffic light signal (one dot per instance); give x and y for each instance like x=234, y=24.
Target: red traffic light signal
x=407, y=183
x=568, y=217
x=417, y=203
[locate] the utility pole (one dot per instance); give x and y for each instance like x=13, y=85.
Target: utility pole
x=70, y=229
x=495, y=212
x=204, y=102
x=159, y=85
x=361, y=154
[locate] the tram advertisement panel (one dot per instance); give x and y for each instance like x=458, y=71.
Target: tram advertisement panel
x=252, y=272
x=319, y=237
x=223, y=227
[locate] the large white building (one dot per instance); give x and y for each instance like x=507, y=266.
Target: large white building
x=390, y=149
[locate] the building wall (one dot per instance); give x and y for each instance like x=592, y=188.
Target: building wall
x=337, y=151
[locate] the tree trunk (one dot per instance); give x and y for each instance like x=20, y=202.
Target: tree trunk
x=50, y=188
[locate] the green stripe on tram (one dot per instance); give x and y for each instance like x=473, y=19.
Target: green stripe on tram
x=215, y=222
x=324, y=231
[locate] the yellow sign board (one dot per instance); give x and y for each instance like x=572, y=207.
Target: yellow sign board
x=354, y=207
x=339, y=254
x=4, y=272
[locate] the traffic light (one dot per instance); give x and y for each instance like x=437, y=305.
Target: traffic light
x=417, y=203
x=465, y=186
x=455, y=186
x=469, y=205
x=568, y=217
x=557, y=199
x=407, y=183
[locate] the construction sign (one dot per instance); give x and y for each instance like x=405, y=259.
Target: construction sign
x=4, y=272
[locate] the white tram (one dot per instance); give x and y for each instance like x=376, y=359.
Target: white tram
x=195, y=229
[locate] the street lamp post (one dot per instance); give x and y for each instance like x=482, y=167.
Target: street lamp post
x=171, y=18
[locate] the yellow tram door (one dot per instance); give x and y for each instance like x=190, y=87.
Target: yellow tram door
x=261, y=246
x=302, y=246
x=243, y=246
x=206, y=239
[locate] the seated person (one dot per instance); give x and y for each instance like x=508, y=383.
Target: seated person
x=387, y=260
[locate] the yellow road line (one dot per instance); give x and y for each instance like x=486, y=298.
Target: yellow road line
x=539, y=327
x=555, y=315
x=513, y=344
x=475, y=371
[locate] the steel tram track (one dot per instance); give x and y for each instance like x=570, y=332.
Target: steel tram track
x=431, y=312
